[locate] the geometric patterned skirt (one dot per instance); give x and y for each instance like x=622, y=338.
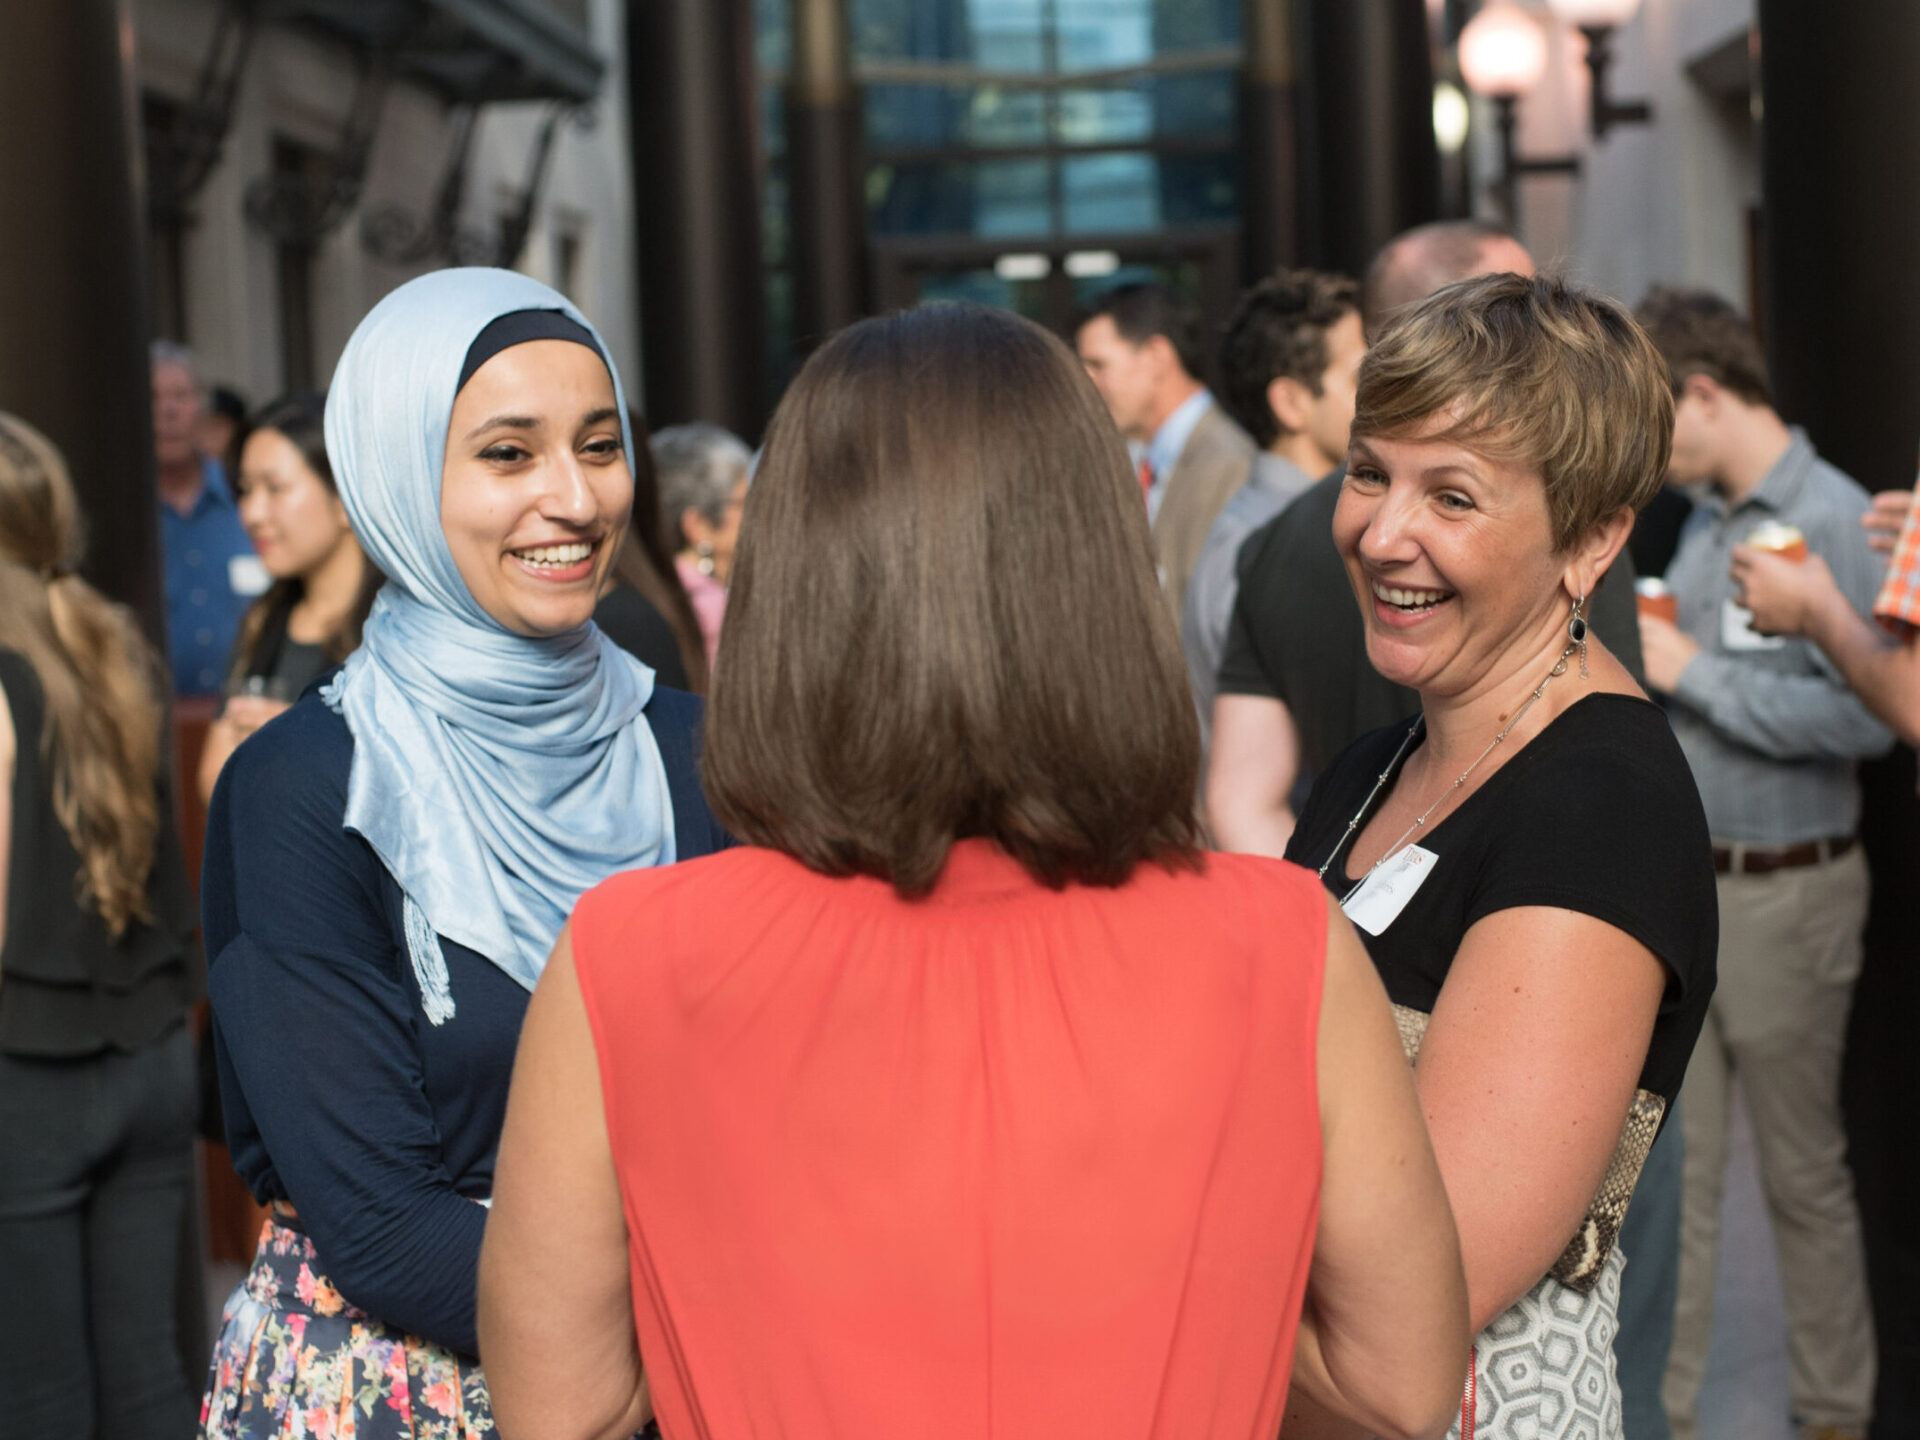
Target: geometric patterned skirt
x=1543, y=1370
x=295, y=1361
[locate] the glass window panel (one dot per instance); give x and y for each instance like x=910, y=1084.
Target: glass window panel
x=1192, y=24
x=774, y=237
x=1012, y=198
x=1007, y=34
x=934, y=30
x=1110, y=194
x=772, y=41
x=907, y=116
x=999, y=116
x=984, y=287
x=1101, y=34
x=901, y=116
x=1104, y=117
x=985, y=198
x=773, y=119
x=1205, y=103
x=1200, y=189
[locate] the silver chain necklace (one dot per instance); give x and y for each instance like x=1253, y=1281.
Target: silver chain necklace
x=1353, y=825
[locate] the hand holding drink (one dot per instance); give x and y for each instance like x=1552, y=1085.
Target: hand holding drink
x=1779, y=580
x=1776, y=538
x=1652, y=597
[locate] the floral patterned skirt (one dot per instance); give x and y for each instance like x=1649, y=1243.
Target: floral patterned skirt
x=295, y=1361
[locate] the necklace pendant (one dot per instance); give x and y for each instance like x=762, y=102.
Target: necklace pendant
x=1560, y=666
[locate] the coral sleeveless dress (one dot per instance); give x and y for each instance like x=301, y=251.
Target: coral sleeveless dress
x=1000, y=1162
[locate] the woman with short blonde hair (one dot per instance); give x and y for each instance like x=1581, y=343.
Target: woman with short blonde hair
x=1527, y=856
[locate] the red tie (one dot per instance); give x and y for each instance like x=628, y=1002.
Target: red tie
x=1146, y=478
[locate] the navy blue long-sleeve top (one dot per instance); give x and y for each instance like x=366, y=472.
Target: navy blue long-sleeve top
x=341, y=1098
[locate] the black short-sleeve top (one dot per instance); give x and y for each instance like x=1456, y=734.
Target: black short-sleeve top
x=1597, y=814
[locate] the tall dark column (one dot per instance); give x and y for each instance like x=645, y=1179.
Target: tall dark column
x=1841, y=207
x=1374, y=169
x=73, y=317
x=823, y=174
x=1269, y=139
x=697, y=212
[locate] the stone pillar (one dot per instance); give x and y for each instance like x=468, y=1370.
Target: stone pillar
x=1373, y=169
x=73, y=310
x=825, y=193
x=1841, y=315
x=697, y=212
x=1269, y=139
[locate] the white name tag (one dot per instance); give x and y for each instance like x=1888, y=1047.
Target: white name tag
x=247, y=575
x=1386, y=891
x=1737, y=632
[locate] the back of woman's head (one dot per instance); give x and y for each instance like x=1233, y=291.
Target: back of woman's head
x=98, y=674
x=944, y=620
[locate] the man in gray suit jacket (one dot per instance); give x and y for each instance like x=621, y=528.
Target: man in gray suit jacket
x=1141, y=348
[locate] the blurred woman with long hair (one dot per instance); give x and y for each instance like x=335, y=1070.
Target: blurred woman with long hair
x=323, y=587
x=96, y=1071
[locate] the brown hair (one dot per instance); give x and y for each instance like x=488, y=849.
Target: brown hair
x=646, y=564
x=1140, y=310
x=1279, y=331
x=1698, y=333
x=944, y=620
x=1535, y=371
x=301, y=418
x=99, y=675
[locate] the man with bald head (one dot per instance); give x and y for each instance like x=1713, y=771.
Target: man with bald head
x=1413, y=265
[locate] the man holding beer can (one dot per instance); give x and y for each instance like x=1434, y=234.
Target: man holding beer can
x=1773, y=735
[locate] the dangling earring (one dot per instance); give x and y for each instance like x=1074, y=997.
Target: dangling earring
x=703, y=550
x=1577, y=632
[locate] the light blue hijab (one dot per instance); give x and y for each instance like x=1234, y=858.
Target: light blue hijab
x=497, y=776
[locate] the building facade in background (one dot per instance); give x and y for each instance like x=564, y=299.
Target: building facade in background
x=367, y=143
x=1025, y=153
x=1675, y=201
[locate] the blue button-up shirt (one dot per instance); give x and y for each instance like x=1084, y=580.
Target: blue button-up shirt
x=213, y=574
x=1769, y=727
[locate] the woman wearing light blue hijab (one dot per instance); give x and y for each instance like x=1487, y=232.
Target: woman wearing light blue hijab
x=389, y=862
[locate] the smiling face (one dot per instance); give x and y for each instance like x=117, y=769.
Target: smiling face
x=292, y=516
x=535, y=491
x=1451, y=558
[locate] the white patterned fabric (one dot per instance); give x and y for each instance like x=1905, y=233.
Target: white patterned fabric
x=1544, y=1369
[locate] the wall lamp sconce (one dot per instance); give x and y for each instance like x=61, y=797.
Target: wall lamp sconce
x=1597, y=20
x=1503, y=54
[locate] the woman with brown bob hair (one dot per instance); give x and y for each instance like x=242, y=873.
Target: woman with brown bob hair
x=1527, y=856
x=970, y=1097
x=96, y=1071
